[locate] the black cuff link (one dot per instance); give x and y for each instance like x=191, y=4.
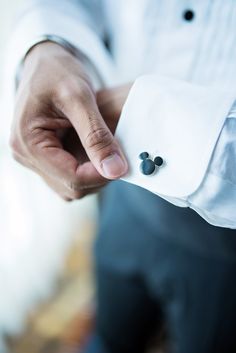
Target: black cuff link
x=148, y=166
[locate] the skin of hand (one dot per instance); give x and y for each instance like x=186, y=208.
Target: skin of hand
x=62, y=129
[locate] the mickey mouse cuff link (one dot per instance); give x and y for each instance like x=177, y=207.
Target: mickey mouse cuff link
x=148, y=166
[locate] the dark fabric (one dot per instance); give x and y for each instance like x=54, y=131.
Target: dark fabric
x=132, y=219
x=155, y=262
x=127, y=316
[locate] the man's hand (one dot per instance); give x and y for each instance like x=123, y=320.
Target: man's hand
x=55, y=100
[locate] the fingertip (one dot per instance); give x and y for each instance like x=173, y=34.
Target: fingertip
x=114, y=166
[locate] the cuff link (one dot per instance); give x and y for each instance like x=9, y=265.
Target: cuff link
x=148, y=166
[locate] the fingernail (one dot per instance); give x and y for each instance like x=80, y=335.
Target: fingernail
x=114, y=166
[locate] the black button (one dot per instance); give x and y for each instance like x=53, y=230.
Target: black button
x=188, y=15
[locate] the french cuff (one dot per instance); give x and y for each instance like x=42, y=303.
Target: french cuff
x=178, y=121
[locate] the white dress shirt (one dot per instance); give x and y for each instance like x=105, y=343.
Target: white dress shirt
x=183, y=58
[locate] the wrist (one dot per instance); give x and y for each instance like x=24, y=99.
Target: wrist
x=45, y=49
x=49, y=47
x=54, y=39
x=49, y=55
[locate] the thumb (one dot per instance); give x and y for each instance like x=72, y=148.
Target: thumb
x=100, y=145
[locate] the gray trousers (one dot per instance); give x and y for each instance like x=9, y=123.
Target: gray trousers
x=157, y=264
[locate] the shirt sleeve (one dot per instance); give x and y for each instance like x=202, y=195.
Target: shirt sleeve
x=177, y=121
x=215, y=199
x=77, y=22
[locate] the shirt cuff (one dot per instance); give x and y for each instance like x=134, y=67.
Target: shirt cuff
x=178, y=121
x=96, y=79
x=48, y=22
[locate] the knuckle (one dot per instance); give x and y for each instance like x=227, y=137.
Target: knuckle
x=70, y=90
x=66, y=199
x=83, y=91
x=14, y=144
x=74, y=190
x=75, y=195
x=98, y=139
x=16, y=157
x=64, y=89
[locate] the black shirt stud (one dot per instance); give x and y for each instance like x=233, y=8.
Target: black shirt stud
x=148, y=166
x=188, y=15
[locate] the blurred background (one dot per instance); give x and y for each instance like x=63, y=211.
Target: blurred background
x=46, y=280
